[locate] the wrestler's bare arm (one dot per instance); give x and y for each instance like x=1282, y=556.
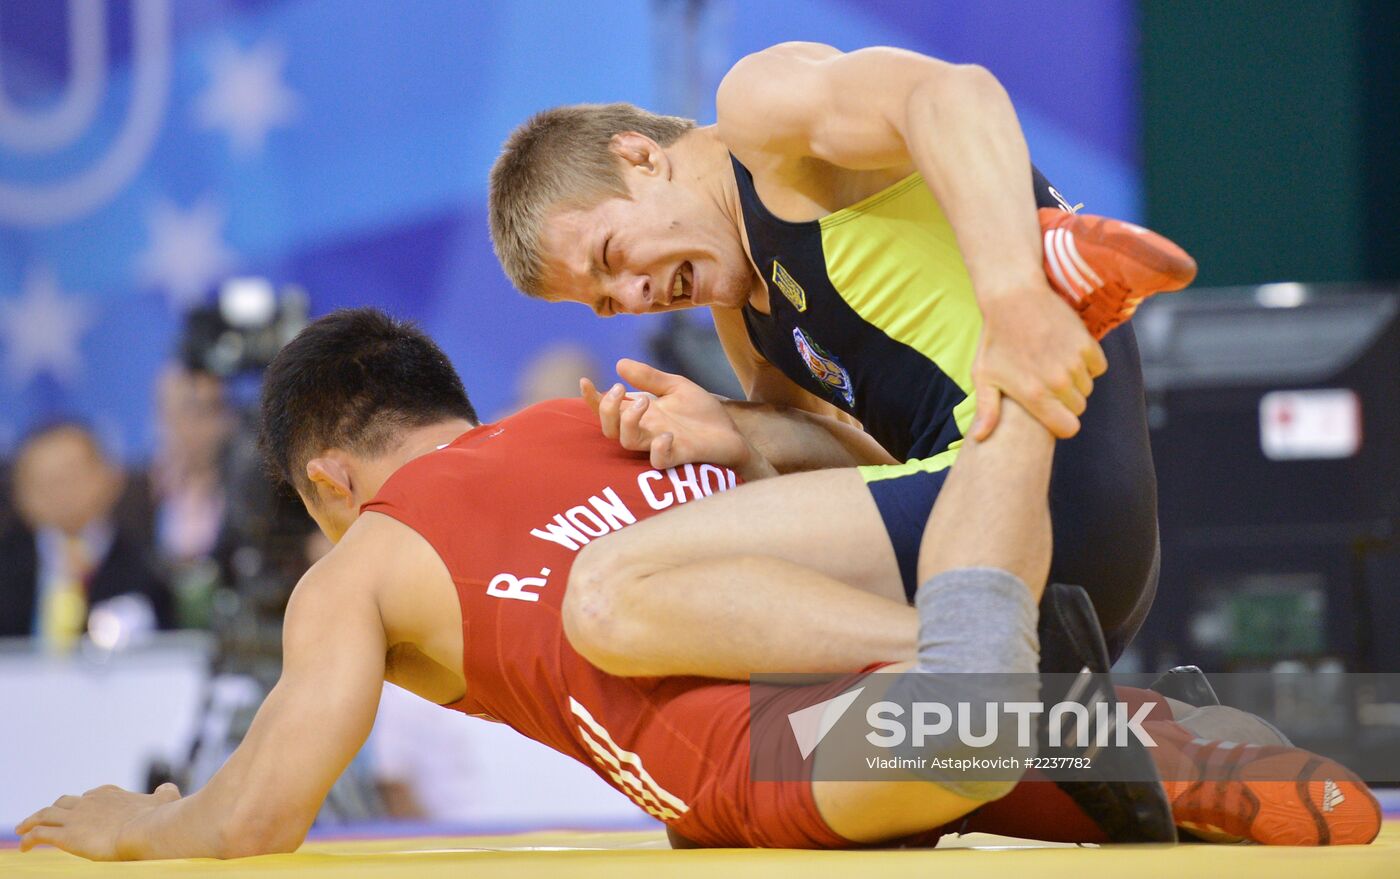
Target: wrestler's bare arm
x=762, y=381
x=798, y=441
x=265, y=797
x=678, y=422
x=884, y=109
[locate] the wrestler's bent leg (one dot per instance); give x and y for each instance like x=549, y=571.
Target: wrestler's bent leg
x=983, y=564
x=766, y=577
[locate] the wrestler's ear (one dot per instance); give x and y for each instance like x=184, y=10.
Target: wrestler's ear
x=641, y=153
x=330, y=479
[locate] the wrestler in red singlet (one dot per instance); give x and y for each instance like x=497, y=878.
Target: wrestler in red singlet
x=507, y=506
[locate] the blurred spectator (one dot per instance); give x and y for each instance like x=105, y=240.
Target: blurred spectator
x=8, y=517
x=187, y=470
x=186, y=481
x=67, y=557
x=554, y=373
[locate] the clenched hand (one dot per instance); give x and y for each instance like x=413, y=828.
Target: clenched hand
x=673, y=419
x=1035, y=350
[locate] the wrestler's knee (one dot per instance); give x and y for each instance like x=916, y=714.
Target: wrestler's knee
x=600, y=617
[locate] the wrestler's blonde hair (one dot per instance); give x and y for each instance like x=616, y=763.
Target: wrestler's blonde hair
x=561, y=158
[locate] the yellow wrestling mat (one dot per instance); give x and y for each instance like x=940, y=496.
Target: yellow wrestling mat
x=623, y=855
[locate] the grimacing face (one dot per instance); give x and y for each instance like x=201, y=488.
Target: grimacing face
x=665, y=248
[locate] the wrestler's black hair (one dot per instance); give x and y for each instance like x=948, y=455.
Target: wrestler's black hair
x=354, y=380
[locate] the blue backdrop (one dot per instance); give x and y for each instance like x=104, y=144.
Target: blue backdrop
x=150, y=148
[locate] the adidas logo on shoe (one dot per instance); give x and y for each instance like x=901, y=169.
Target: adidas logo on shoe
x=1331, y=796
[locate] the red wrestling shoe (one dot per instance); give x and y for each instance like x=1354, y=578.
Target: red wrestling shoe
x=1269, y=794
x=1104, y=268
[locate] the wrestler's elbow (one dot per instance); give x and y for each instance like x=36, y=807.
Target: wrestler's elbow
x=249, y=833
x=251, y=847
x=598, y=615
x=952, y=90
x=970, y=80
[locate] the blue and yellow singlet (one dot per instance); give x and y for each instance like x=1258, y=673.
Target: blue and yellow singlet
x=873, y=310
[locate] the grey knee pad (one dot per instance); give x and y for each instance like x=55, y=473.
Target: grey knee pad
x=977, y=620
x=977, y=645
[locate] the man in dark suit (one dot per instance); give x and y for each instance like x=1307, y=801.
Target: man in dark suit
x=66, y=554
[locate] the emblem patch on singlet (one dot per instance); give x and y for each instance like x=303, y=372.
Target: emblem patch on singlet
x=824, y=367
x=791, y=289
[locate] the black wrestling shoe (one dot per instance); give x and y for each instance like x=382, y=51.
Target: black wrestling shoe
x=1072, y=650
x=1186, y=683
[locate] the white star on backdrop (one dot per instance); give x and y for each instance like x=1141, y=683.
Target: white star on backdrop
x=186, y=255
x=42, y=329
x=246, y=97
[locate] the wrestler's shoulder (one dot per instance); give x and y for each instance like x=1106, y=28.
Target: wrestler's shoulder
x=378, y=551
x=785, y=53
x=763, y=101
